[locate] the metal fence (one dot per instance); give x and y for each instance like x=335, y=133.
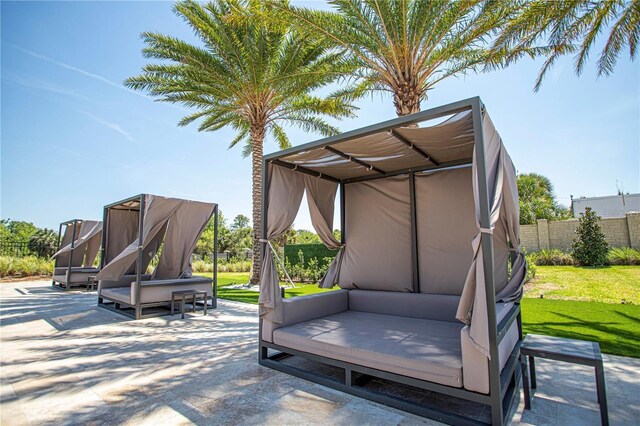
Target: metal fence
x=25, y=248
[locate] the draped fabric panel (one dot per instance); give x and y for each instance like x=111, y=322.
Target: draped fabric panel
x=321, y=196
x=121, y=231
x=501, y=184
x=377, y=253
x=184, y=228
x=285, y=189
x=157, y=212
x=86, y=245
x=62, y=258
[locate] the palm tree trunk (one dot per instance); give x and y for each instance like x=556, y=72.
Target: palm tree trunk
x=406, y=99
x=257, y=138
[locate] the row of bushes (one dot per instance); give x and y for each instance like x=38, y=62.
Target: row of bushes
x=27, y=266
x=233, y=265
x=555, y=257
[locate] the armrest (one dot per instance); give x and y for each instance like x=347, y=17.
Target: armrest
x=125, y=281
x=177, y=281
x=306, y=308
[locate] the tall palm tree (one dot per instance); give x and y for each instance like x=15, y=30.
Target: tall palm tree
x=406, y=47
x=572, y=26
x=250, y=74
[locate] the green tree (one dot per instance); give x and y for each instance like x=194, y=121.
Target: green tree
x=251, y=73
x=589, y=246
x=240, y=221
x=43, y=243
x=537, y=201
x=406, y=47
x=553, y=28
x=17, y=230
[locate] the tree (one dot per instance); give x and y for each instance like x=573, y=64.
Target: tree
x=572, y=26
x=43, y=243
x=240, y=221
x=537, y=201
x=252, y=74
x=589, y=246
x=407, y=47
x=17, y=230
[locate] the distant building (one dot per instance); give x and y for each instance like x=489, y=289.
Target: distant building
x=607, y=206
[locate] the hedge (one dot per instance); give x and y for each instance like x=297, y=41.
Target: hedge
x=309, y=251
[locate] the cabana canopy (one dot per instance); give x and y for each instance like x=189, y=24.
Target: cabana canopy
x=172, y=223
x=429, y=223
x=385, y=169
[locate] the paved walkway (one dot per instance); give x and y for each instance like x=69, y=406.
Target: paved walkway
x=66, y=361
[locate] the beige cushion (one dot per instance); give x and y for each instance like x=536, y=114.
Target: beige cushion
x=424, y=349
x=117, y=294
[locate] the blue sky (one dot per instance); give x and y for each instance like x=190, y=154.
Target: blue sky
x=74, y=139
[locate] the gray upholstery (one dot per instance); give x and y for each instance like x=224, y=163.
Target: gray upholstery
x=476, y=364
x=437, y=307
x=306, y=308
x=78, y=275
x=424, y=349
x=152, y=291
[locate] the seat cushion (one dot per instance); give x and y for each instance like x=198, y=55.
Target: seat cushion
x=438, y=307
x=117, y=294
x=419, y=348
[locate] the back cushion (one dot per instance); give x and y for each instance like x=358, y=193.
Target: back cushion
x=413, y=305
x=378, y=236
x=446, y=225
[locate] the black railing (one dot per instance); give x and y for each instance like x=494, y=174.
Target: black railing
x=26, y=248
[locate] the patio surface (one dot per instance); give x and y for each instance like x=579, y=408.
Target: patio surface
x=66, y=361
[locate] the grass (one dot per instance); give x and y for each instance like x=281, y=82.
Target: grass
x=615, y=327
x=611, y=284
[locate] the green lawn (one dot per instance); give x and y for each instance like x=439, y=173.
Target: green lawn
x=609, y=285
x=614, y=325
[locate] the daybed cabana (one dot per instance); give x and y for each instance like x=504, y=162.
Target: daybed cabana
x=78, y=246
x=429, y=265
x=143, y=227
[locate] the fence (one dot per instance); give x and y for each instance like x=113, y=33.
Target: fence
x=544, y=235
x=25, y=248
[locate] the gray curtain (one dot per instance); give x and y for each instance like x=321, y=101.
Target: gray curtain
x=321, y=196
x=157, y=212
x=62, y=257
x=284, y=195
x=121, y=231
x=184, y=228
x=472, y=309
x=86, y=244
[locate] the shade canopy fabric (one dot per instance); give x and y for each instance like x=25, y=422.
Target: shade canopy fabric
x=85, y=247
x=171, y=223
x=62, y=258
x=408, y=226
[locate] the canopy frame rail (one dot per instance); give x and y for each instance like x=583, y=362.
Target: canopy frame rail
x=411, y=145
x=354, y=160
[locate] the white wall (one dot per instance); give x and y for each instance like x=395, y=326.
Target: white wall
x=611, y=206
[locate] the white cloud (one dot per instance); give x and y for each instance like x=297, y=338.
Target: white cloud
x=110, y=125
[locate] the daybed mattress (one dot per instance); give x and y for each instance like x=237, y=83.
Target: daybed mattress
x=419, y=348
x=117, y=294
x=79, y=275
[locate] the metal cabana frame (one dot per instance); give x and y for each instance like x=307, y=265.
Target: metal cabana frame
x=137, y=203
x=74, y=223
x=504, y=383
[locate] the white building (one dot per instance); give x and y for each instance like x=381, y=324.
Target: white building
x=608, y=206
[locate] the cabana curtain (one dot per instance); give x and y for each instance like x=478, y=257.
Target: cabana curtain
x=86, y=246
x=62, y=258
x=502, y=191
x=178, y=223
x=284, y=195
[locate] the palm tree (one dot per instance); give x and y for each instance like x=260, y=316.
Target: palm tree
x=406, y=47
x=572, y=26
x=250, y=74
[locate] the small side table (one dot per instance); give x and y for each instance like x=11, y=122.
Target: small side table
x=565, y=350
x=91, y=283
x=183, y=295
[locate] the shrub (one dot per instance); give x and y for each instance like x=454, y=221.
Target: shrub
x=624, y=256
x=531, y=271
x=233, y=265
x=553, y=257
x=589, y=246
x=24, y=266
x=319, y=252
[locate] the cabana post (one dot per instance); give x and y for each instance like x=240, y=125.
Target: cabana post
x=139, y=228
x=461, y=336
x=77, y=249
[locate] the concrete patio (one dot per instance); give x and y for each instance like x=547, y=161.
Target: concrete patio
x=66, y=361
